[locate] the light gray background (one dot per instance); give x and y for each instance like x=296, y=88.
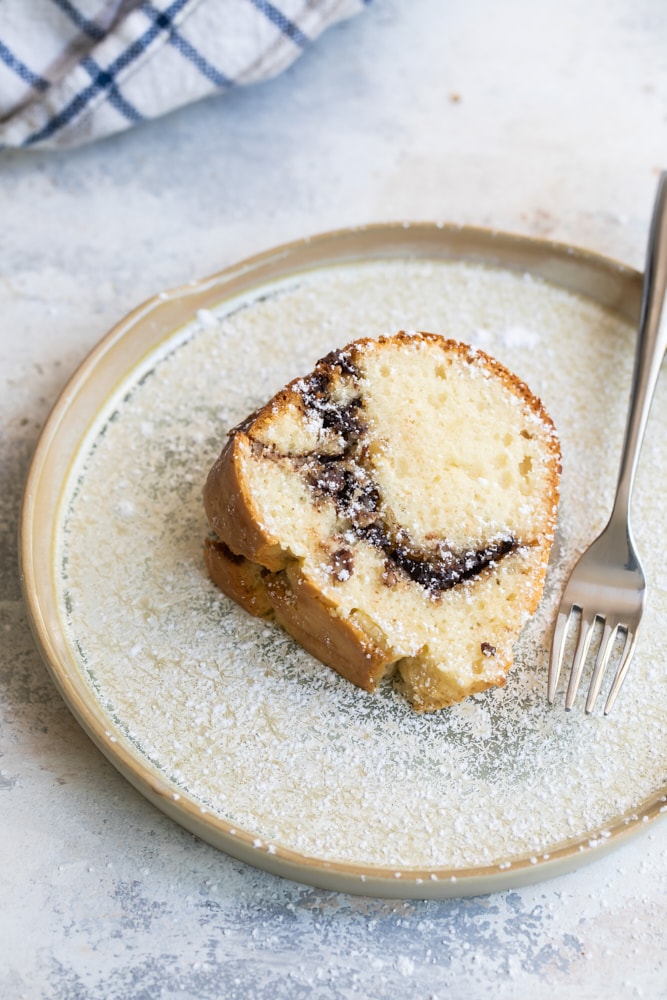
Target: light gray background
x=547, y=118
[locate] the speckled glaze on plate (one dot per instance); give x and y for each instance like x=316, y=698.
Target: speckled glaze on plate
x=220, y=720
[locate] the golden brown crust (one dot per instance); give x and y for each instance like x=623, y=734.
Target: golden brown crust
x=338, y=642
x=231, y=510
x=238, y=578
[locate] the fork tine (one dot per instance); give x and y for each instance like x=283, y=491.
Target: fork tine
x=606, y=645
x=557, y=652
x=586, y=626
x=626, y=656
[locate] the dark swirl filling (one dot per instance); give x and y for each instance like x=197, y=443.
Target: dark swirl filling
x=346, y=478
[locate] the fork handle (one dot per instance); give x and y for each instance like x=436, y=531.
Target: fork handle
x=650, y=350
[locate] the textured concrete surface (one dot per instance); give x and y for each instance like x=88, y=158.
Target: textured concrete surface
x=546, y=119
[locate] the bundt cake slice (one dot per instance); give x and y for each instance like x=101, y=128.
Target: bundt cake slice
x=394, y=511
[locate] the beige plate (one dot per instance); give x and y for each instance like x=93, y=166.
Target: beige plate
x=125, y=351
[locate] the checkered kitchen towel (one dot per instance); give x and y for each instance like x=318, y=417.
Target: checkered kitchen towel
x=74, y=70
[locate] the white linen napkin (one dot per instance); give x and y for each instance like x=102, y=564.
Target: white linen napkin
x=72, y=71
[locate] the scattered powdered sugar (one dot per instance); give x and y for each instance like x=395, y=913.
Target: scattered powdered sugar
x=512, y=337
x=234, y=715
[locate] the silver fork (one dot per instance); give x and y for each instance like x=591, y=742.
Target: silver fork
x=607, y=585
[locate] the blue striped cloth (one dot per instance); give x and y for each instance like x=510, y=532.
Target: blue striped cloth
x=74, y=70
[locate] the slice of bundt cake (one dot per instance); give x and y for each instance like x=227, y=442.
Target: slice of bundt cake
x=394, y=511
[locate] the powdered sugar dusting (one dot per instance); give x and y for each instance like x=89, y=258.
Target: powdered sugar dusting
x=235, y=715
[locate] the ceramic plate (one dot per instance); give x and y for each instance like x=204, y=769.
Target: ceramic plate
x=220, y=719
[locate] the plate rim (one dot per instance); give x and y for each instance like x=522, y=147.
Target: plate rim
x=602, y=279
